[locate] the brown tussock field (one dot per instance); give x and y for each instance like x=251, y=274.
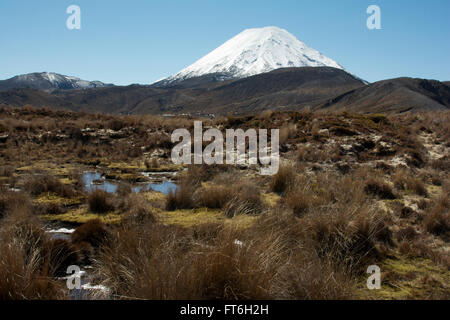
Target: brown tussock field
x=353, y=190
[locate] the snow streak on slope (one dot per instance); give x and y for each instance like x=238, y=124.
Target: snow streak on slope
x=256, y=51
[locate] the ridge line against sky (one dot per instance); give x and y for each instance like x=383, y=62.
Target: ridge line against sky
x=143, y=41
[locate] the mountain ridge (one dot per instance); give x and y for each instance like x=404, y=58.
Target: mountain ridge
x=319, y=88
x=288, y=86
x=398, y=94
x=48, y=81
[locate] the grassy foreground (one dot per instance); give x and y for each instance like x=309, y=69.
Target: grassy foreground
x=352, y=191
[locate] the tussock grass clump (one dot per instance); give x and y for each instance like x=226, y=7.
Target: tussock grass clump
x=6, y=171
x=38, y=184
x=196, y=174
x=123, y=189
x=406, y=234
x=150, y=262
x=309, y=277
x=349, y=238
x=185, y=197
x=99, y=201
x=416, y=158
x=336, y=220
x=151, y=164
x=437, y=216
x=283, y=180
x=418, y=248
x=299, y=201
x=287, y=132
x=418, y=186
x=441, y=164
x=10, y=201
x=207, y=232
x=61, y=253
x=50, y=208
x=244, y=197
x=403, y=181
x=22, y=275
x=214, y=197
x=30, y=260
x=310, y=153
x=162, y=263
x=242, y=270
x=181, y=197
x=94, y=232
x=137, y=210
x=380, y=189
x=343, y=131
x=246, y=200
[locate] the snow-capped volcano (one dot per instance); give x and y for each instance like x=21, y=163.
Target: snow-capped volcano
x=49, y=81
x=255, y=51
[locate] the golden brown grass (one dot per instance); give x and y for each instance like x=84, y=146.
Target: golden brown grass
x=30, y=260
x=157, y=263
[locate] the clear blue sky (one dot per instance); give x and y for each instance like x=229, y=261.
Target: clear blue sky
x=141, y=41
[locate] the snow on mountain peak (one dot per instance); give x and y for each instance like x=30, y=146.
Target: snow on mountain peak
x=255, y=51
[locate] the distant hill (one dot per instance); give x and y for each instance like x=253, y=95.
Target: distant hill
x=48, y=81
x=395, y=95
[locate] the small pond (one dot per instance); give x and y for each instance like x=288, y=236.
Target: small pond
x=91, y=181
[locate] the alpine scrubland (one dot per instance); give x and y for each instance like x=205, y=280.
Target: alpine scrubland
x=353, y=190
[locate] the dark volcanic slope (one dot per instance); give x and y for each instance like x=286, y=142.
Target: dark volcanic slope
x=106, y=100
x=395, y=95
x=292, y=87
